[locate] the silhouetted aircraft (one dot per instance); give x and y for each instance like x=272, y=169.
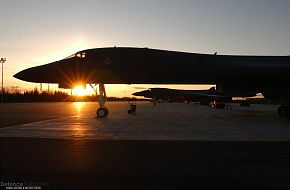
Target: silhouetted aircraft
x=174, y=95
x=247, y=75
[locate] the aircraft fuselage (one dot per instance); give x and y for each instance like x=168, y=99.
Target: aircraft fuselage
x=152, y=66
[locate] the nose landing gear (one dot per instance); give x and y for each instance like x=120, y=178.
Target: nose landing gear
x=101, y=112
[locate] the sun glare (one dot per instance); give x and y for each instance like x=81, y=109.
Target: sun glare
x=78, y=105
x=79, y=91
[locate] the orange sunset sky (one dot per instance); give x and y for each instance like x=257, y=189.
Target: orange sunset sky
x=36, y=32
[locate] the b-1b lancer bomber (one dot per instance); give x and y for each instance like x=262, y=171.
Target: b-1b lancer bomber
x=247, y=75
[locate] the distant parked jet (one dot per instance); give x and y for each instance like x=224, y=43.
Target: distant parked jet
x=173, y=95
x=248, y=75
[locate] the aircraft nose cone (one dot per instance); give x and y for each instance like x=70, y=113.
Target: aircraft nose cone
x=137, y=94
x=20, y=75
x=141, y=93
x=29, y=75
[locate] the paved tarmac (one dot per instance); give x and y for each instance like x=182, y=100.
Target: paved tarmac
x=168, y=146
x=161, y=122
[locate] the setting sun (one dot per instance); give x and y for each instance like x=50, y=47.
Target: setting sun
x=79, y=91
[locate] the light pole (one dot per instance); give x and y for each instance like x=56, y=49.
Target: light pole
x=2, y=60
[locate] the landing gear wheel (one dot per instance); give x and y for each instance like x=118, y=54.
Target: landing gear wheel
x=102, y=112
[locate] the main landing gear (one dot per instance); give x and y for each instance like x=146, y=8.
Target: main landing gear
x=284, y=111
x=102, y=111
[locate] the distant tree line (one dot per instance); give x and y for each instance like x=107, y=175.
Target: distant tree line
x=15, y=95
x=52, y=96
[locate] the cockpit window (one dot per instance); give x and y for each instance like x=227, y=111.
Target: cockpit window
x=78, y=55
x=81, y=55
